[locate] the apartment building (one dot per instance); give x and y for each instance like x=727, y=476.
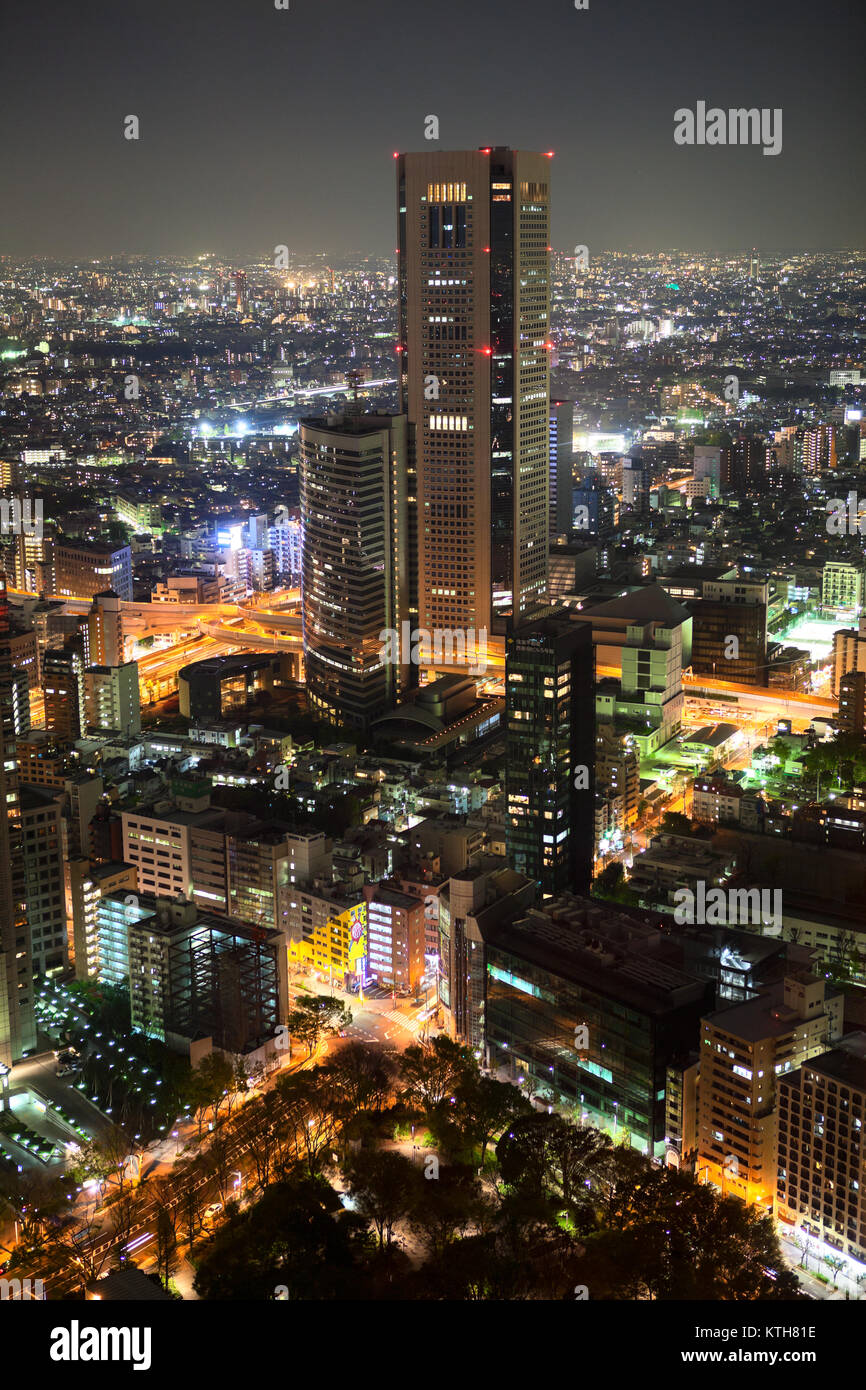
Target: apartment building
x=744, y=1050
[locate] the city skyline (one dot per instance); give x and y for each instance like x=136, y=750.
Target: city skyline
x=433, y=666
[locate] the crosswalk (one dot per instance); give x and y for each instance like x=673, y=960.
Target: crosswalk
x=410, y=1024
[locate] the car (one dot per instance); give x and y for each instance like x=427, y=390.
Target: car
x=212, y=1212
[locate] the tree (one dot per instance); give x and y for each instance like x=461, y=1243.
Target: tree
x=433, y=1072
x=675, y=823
x=485, y=1106
x=297, y=1238
x=191, y=1206
x=361, y=1077
x=310, y=1120
x=447, y=1208
x=385, y=1187
x=317, y=1017
x=217, y=1160
x=208, y=1086
x=525, y=1155
x=124, y=1212
x=166, y=1239
x=77, y=1247
x=580, y=1154
x=39, y=1203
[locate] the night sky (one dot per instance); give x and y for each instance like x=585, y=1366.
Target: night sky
x=261, y=127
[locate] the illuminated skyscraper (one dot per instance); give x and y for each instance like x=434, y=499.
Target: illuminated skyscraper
x=474, y=370
x=240, y=290
x=17, y=1019
x=354, y=581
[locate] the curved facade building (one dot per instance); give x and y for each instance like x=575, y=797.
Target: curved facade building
x=354, y=578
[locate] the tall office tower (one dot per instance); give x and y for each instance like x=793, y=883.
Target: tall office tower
x=550, y=753
x=474, y=379
x=561, y=476
x=63, y=684
x=17, y=1017
x=240, y=290
x=354, y=582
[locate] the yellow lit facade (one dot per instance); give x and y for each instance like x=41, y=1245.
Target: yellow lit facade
x=335, y=947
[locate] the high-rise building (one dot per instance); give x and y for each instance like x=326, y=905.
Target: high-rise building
x=550, y=753
x=395, y=937
x=748, y=464
x=852, y=702
x=849, y=652
x=821, y=1117
x=105, y=630
x=191, y=974
x=44, y=842
x=355, y=582
x=63, y=684
x=467, y=903
x=240, y=290
x=815, y=448
x=745, y=1049
x=636, y=481
x=84, y=570
x=843, y=585
x=474, y=366
x=729, y=637
x=708, y=462
x=111, y=699
x=31, y=553
x=17, y=1015
x=561, y=475
x=85, y=884
x=590, y=1009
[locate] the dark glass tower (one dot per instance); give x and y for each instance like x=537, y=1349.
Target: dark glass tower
x=550, y=748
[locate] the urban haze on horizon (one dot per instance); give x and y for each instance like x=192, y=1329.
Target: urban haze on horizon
x=261, y=127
